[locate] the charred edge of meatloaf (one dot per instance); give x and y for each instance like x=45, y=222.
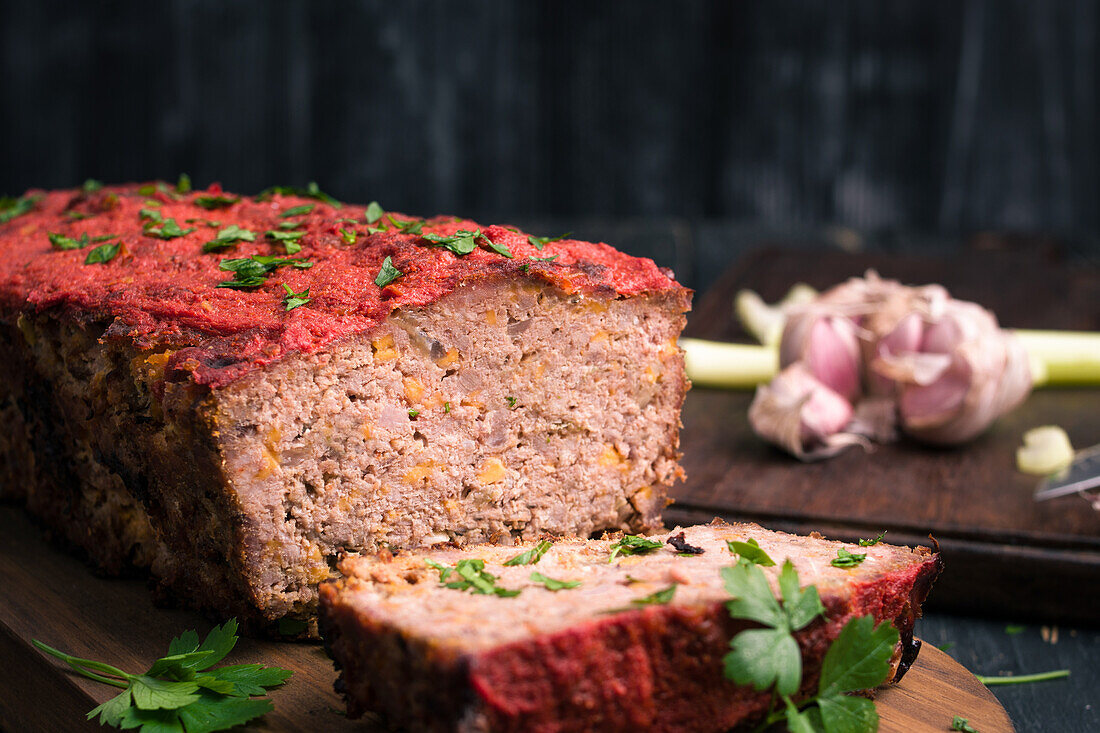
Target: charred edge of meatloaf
x=657, y=668
x=503, y=409
x=99, y=461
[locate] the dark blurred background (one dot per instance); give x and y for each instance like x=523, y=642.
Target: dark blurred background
x=835, y=122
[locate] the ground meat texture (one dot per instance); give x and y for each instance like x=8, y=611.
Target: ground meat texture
x=433, y=658
x=238, y=456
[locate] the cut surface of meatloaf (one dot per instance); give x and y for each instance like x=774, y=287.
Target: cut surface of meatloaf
x=237, y=448
x=431, y=657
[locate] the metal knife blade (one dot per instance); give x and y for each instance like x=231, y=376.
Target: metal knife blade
x=1083, y=473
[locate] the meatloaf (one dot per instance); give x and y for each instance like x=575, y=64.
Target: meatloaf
x=232, y=391
x=629, y=643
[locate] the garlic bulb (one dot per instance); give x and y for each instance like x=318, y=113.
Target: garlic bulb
x=941, y=369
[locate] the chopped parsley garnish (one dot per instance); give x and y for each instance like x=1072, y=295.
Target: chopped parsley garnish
x=168, y=229
x=60, y=241
x=78, y=215
x=551, y=258
x=289, y=239
x=183, y=184
x=473, y=578
x=845, y=559
x=251, y=272
x=446, y=409
x=311, y=191
x=962, y=724
x=511, y=402
x=151, y=189
x=350, y=236
x=295, y=300
x=374, y=212
x=530, y=557
x=102, y=254
x=750, y=551
x=11, y=208
x=284, y=225
x=552, y=584
x=388, y=273
x=228, y=237
x=414, y=413
x=634, y=545
x=91, y=186
x=181, y=691
x=875, y=541
x=298, y=210
x=412, y=226
x=540, y=242
x=215, y=202
x=659, y=598
x=151, y=214
x=500, y=249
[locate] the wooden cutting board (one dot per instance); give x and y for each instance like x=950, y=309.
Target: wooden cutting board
x=52, y=596
x=1005, y=554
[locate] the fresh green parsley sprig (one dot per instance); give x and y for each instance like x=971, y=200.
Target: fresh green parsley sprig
x=374, y=212
x=750, y=551
x=61, y=242
x=311, y=191
x=167, y=229
x=530, y=557
x=227, y=237
x=962, y=724
x=295, y=300
x=11, y=208
x=251, y=272
x=388, y=273
x=858, y=659
x=290, y=239
x=633, y=545
x=473, y=577
x=554, y=584
x=463, y=242
x=102, y=254
x=211, y=202
x=875, y=541
x=845, y=559
x=181, y=691
x=540, y=242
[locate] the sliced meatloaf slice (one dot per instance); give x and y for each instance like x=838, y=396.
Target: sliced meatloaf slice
x=237, y=446
x=412, y=645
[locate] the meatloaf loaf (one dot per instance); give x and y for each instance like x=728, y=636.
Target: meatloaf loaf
x=621, y=643
x=232, y=390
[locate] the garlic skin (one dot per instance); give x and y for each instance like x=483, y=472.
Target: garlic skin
x=941, y=370
x=803, y=416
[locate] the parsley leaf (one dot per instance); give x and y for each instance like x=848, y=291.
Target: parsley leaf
x=102, y=254
x=500, y=249
x=151, y=214
x=298, y=210
x=251, y=272
x=388, y=273
x=11, y=208
x=311, y=191
x=168, y=229
x=551, y=258
x=962, y=724
x=552, y=584
x=530, y=557
x=215, y=202
x=295, y=300
x=540, y=242
x=875, y=541
x=227, y=237
x=289, y=239
x=61, y=242
x=183, y=184
x=768, y=656
x=633, y=545
x=750, y=551
x=474, y=578
x=176, y=693
x=91, y=185
x=350, y=236
x=374, y=212
x=411, y=226
x=845, y=559
x=658, y=598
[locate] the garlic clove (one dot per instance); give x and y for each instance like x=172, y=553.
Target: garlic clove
x=828, y=345
x=800, y=414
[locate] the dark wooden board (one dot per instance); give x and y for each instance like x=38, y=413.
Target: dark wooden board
x=1005, y=553
x=52, y=596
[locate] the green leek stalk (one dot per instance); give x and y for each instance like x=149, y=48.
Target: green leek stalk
x=1058, y=359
